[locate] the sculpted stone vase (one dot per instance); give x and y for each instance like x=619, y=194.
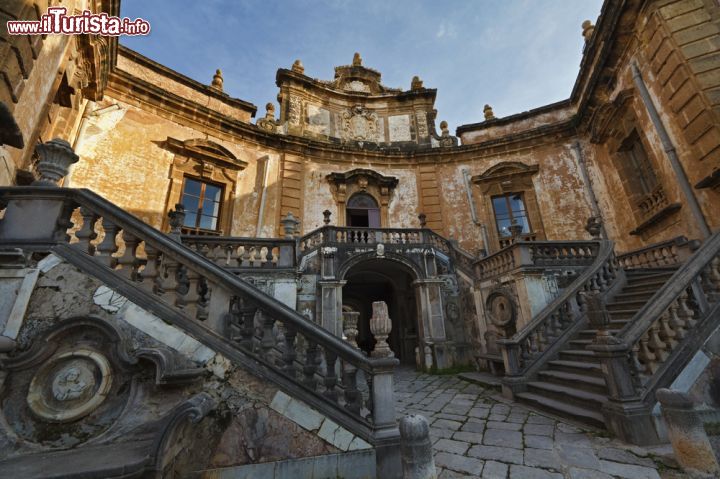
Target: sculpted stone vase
x=380, y=326
x=56, y=156
x=350, y=321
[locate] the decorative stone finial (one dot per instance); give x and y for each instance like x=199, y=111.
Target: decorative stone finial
x=357, y=60
x=289, y=224
x=380, y=327
x=416, y=83
x=587, y=30
x=488, y=111
x=268, y=121
x=217, y=81
x=444, y=128
x=423, y=220
x=56, y=156
x=177, y=219
x=594, y=226
x=515, y=229
x=326, y=217
x=298, y=67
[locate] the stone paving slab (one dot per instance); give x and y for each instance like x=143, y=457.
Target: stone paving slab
x=478, y=434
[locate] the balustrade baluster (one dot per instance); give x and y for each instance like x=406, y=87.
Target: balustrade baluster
x=686, y=314
x=677, y=324
x=87, y=232
x=667, y=333
x=108, y=246
x=170, y=280
x=268, y=342
x=658, y=346
x=645, y=357
x=353, y=399
x=192, y=297
x=330, y=375
x=150, y=273
x=714, y=277
x=247, y=311
x=269, y=257
x=289, y=354
x=310, y=366
x=245, y=262
x=128, y=261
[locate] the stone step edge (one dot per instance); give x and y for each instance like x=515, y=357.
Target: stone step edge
x=348, y=465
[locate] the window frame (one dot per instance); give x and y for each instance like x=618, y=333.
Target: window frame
x=510, y=212
x=218, y=219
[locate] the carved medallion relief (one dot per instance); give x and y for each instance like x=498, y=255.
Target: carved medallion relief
x=359, y=124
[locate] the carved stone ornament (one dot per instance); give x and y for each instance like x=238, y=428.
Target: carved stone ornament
x=359, y=124
x=501, y=310
x=295, y=110
x=380, y=327
x=70, y=385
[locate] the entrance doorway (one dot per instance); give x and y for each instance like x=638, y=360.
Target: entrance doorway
x=383, y=280
x=362, y=211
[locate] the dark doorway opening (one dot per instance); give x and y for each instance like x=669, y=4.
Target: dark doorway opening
x=362, y=211
x=382, y=280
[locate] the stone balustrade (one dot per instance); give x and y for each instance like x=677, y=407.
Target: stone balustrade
x=669, y=253
x=210, y=303
x=536, y=254
x=237, y=253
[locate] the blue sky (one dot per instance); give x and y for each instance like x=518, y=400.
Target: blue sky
x=513, y=54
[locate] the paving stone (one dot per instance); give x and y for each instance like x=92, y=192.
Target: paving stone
x=452, y=417
x=580, y=440
x=578, y=456
x=538, y=442
x=497, y=417
x=448, y=474
x=472, y=437
x=516, y=419
x=625, y=457
x=577, y=473
x=541, y=458
x=456, y=409
x=450, y=445
x=446, y=424
x=508, y=426
x=501, y=437
x=438, y=433
x=539, y=429
x=525, y=472
x=479, y=412
x=457, y=463
x=628, y=471
x=501, y=409
x=502, y=454
x=472, y=426
x=535, y=419
x=494, y=470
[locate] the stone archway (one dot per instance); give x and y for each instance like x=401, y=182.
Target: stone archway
x=392, y=282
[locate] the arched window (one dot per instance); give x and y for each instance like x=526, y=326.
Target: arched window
x=362, y=211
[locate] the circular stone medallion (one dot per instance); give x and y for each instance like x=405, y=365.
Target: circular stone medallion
x=70, y=385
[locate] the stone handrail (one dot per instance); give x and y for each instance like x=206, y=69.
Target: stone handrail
x=244, y=253
x=542, y=337
x=659, y=340
x=222, y=311
x=536, y=254
x=670, y=253
x=357, y=236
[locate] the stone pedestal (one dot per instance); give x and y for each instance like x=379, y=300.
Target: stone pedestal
x=416, y=448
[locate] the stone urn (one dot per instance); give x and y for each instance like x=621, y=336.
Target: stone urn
x=56, y=156
x=380, y=327
x=350, y=322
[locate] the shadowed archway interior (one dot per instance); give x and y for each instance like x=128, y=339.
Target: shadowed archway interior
x=384, y=280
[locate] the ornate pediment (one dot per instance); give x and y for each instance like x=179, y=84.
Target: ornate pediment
x=605, y=118
x=504, y=171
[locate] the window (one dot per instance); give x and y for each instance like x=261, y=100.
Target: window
x=639, y=165
x=202, y=205
x=363, y=211
x=510, y=208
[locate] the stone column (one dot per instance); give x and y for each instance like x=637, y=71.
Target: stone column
x=687, y=434
x=416, y=449
x=331, y=305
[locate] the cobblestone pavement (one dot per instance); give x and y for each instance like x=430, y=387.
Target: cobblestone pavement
x=476, y=433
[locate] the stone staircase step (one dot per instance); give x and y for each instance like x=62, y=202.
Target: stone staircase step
x=644, y=286
x=592, y=384
x=579, y=355
x=580, y=343
x=575, y=367
x=641, y=296
x=563, y=409
x=568, y=394
x=628, y=305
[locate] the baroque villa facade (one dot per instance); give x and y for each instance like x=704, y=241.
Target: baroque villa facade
x=536, y=246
